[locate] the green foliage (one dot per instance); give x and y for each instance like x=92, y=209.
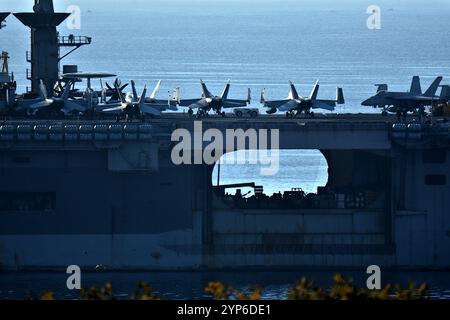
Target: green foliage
x=344, y=289
x=220, y=291
x=304, y=289
x=105, y=293
x=142, y=292
x=341, y=289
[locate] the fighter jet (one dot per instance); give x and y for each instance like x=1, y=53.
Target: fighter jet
x=151, y=101
x=404, y=102
x=295, y=104
x=210, y=102
x=52, y=105
x=130, y=108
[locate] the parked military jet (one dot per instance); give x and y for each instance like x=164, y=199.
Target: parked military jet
x=151, y=101
x=51, y=105
x=404, y=102
x=130, y=108
x=210, y=102
x=295, y=104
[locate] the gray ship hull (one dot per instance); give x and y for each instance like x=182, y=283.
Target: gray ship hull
x=116, y=200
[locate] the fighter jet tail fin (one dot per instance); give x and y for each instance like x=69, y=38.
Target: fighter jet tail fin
x=314, y=91
x=431, y=91
x=293, y=94
x=66, y=92
x=445, y=92
x=142, y=98
x=42, y=90
x=155, y=91
x=415, y=86
x=381, y=87
x=206, y=92
x=133, y=87
x=225, y=91
x=340, y=96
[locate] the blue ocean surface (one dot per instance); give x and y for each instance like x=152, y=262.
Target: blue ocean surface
x=256, y=44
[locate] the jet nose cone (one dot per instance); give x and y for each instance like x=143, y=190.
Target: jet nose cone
x=367, y=102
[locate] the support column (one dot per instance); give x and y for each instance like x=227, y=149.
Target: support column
x=44, y=43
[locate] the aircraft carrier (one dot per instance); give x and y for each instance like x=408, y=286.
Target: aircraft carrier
x=105, y=193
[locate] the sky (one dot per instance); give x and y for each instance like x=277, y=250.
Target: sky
x=25, y=5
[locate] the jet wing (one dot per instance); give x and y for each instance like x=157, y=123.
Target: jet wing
x=237, y=101
x=150, y=110
x=324, y=104
x=198, y=104
x=41, y=104
x=156, y=101
x=189, y=102
x=232, y=103
x=331, y=103
x=115, y=109
x=414, y=98
x=275, y=103
x=288, y=106
x=70, y=106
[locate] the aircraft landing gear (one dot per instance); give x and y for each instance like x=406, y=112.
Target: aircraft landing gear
x=201, y=113
x=405, y=113
x=309, y=113
x=290, y=114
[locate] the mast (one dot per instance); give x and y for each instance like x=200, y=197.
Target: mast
x=44, y=43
